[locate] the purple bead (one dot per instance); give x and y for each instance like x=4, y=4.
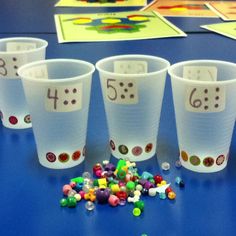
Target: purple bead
x=102, y=195
x=110, y=167
x=148, y=185
x=142, y=181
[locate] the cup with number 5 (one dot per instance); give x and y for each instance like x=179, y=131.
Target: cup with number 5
x=15, y=52
x=205, y=111
x=133, y=87
x=58, y=95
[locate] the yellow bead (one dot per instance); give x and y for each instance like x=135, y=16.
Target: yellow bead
x=115, y=188
x=171, y=195
x=102, y=183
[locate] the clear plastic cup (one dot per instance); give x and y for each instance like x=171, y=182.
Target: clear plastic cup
x=205, y=109
x=15, y=52
x=58, y=94
x=133, y=87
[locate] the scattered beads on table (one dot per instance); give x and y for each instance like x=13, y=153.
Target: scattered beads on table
x=117, y=186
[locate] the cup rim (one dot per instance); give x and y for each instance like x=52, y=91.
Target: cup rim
x=57, y=80
x=9, y=39
x=130, y=56
x=185, y=80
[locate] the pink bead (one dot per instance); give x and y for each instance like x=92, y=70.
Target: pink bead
x=113, y=200
x=72, y=184
x=98, y=173
x=128, y=177
x=66, y=188
x=82, y=193
x=121, y=184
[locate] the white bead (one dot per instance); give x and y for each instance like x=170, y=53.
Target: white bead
x=77, y=197
x=165, y=166
x=137, y=193
x=152, y=192
x=139, y=187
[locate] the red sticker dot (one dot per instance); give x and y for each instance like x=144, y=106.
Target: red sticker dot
x=137, y=151
x=76, y=155
x=13, y=120
x=51, y=157
x=112, y=145
x=63, y=157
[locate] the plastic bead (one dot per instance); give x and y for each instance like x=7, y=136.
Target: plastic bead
x=137, y=193
x=165, y=166
x=146, y=175
x=115, y=188
x=139, y=187
x=136, y=211
x=113, y=200
x=130, y=186
x=152, y=192
x=71, y=193
x=86, y=175
x=89, y=205
x=63, y=202
x=178, y=164
x=139, y=204
x=66, y=188
x=105, y=162
x=77, y=180
x=102, y=195
x=102, y=183
x=73, y=184
x=71, y=202
x=180, y=182
x=158, y=179
x=171, y=195
x=162, y=196
x=77, y=197
x=90, y=195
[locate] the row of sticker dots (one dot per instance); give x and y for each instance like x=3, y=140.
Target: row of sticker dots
x=64, y=157
x=207, y=161
x=13, y=120
x=136, y=151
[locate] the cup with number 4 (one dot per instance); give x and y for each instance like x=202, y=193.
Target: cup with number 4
x=15, y=52
x=133, y=87
x=205, y=110
x=58, y=94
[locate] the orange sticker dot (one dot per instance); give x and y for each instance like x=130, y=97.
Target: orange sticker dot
x=184, y=156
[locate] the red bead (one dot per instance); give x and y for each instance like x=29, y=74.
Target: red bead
x=158, y=179
x=121, y=195
x=96, y=168
x=169, y=189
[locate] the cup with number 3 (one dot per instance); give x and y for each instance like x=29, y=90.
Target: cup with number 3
x=58, y=94
x=15, y=52
x=133, y=87
x=205, y=110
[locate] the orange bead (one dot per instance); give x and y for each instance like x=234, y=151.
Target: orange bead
x=171, y=195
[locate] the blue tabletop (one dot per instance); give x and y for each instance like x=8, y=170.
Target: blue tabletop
x=30, y=196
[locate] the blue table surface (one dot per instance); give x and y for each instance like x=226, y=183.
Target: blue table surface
x=29, y=202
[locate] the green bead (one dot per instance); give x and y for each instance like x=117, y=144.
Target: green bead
x=95, y=182
x=120, y=164
x=121, y=174
x=152, y=181
x=136, y=211
x=71, y=202
x=130, y=185
x=139, y=204
x=63, y=202
x=78, y=180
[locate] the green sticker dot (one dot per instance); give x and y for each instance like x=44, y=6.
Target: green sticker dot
x=195, y=160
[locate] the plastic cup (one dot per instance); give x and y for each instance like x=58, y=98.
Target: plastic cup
x=133, y=87
x=58, y=94
x=205, y=110
x=15, y=52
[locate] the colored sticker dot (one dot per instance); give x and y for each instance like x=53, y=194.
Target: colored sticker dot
x=112, y=145
x=195, y=160
x=76, y=155
x=148, y=147
x=137, y=151
x=13, y=120
x=220, y=160
x=27, y=119
x=123, y=149
x=208, y=161
x=63, y=157
x=82, y=21
x=51, y=157
x=111, y=20
x=184, y=156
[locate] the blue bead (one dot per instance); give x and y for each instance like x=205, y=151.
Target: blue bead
x=162, y=195
x=178, y=180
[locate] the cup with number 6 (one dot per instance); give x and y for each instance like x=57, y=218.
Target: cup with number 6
x=205, y=111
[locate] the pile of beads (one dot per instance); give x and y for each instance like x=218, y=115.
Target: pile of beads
x=115, y=185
